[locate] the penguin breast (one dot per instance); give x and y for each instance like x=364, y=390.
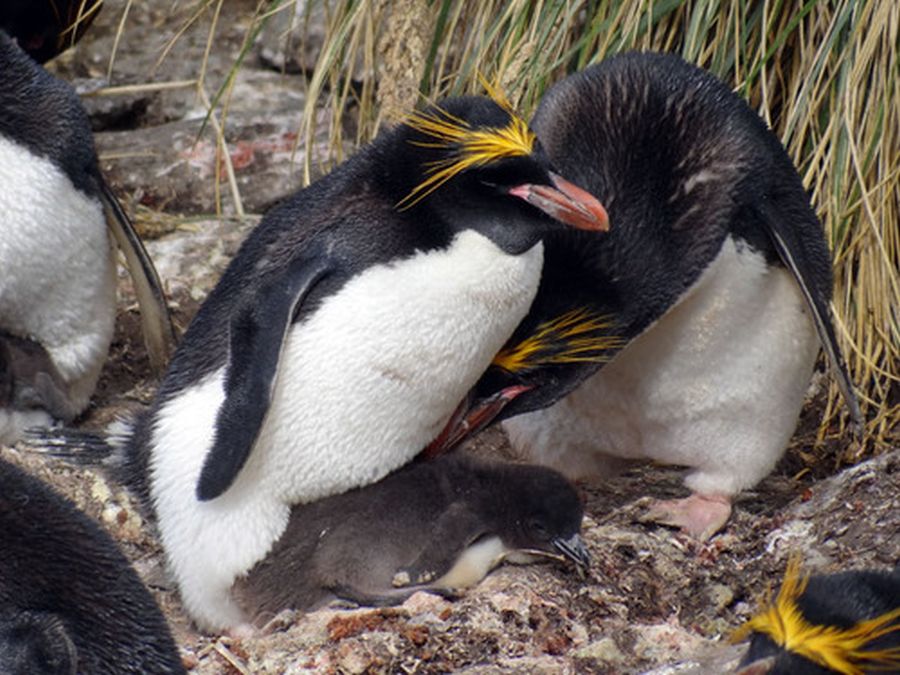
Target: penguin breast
x=58, y=281
x=373, y=375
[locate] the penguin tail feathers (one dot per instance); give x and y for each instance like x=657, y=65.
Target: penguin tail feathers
x=159, y=332
x=792, y=256
x=82, y=448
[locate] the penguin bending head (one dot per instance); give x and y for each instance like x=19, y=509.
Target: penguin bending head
x=58, y=228
x=69, y=600
x=438, y=526
x=339, y=340
x=713, y=289
x=846, y=623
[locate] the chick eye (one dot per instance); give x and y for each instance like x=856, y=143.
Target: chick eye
x=537, y=528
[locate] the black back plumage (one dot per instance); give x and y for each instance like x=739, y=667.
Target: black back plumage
x=67, y=595
x=680, y=162
x=419, y=518
x=44, y=114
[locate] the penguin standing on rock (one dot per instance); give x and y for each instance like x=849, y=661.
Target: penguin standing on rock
x=69, y=600
x=438, y=526
x=58, y=279
x=712, y=285
x=342, y=335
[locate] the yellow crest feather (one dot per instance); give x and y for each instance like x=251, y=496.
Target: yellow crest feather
x=469, y=146
x=578, y=336
x=843, y=650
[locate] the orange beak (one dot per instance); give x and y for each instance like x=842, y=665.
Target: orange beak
x=565, y=202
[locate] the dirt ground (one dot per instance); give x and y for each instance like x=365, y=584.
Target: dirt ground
x=653, y=602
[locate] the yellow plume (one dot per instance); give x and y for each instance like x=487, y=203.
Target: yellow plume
x=469, y=146
x=843, y=650
x=578, y=336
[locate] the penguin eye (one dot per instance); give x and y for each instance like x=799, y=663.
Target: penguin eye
x=537, y=528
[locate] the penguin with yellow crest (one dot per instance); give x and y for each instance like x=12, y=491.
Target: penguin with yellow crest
x=714, y=282
x=343, y=334
x=846, y=623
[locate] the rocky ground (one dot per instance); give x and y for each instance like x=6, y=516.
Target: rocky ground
x=654, y=601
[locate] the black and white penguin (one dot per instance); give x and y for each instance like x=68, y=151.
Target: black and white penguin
x=342, y=335
x=710, y=290
x=58, y=282
x=846, y=623
x=69, y=600
x=438, y=526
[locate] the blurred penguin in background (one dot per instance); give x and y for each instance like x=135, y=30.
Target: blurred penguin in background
x=69, y=600
x=59, y=226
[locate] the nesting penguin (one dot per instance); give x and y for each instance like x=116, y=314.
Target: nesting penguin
x=58, y=283
x=846, y=623
x=711, y=290
x=342, y=335
x=437, y=526
x=69, y=600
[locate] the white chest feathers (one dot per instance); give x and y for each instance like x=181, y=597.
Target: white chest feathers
x=364, y=383
x=716, y=384
x=57, y=271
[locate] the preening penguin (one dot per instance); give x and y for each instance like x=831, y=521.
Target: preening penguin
x=846, y=623
x=712, y=284
x=58, y=285
x=342, y=335
x=437, y=526
x=69, y=600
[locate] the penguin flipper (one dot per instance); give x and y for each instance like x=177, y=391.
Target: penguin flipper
x=257, y=334
x=785, y=240
x=457, y=528
x=159, y=333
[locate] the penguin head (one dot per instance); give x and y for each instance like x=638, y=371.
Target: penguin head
x=532, y=371
x=536, y=508
x=471, y=163
x=845, y=623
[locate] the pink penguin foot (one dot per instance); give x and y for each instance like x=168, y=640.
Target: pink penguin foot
x=701, y=516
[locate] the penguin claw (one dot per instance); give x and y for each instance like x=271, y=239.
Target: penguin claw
x=700, y=516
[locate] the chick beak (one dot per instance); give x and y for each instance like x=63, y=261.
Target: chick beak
x=574, y=549
x=566, y=202
x=469, y=419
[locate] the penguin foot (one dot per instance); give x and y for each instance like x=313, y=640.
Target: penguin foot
x=243, y=631
x=701, y=516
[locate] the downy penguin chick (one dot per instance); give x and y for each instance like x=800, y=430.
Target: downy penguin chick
x=846, y=623
x=435, y=525
x=30, y=381
x=706, y=296
x=342, y=335
x=58, y=282
x=69, y=600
